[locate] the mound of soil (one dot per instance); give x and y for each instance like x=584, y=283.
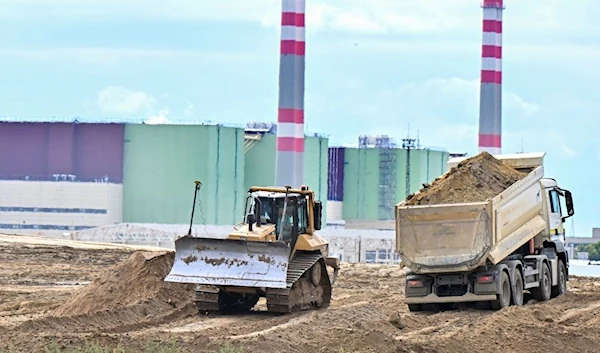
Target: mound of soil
x=130, y=294
x=137, y=280
x=474, y=180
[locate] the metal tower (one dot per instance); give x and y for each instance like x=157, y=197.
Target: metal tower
x=408, y=144
x=490, y=104
x=290, y=117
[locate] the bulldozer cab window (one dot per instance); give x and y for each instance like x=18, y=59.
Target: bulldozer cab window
x=269, y=214
x=288, y=223
x=288, y=226
x=302, y=216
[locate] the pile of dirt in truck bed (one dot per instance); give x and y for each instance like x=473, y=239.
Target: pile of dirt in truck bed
x=130, y=294
x=475, y=179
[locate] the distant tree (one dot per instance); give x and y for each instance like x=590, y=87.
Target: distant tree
x=592, y=249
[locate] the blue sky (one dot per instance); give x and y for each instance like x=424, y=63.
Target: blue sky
x=373, y=66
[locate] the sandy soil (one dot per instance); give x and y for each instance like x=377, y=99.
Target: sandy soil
x=54, y=292
x=474, y=180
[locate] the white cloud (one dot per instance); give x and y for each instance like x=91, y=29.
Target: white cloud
x=189, y=110
x=120, y=100
x=446, y=113
x=444, y=110
x=367, y=16
x=108, y=55
x=117, y=100
x=514, y=101
x=560, y=143
x=162, y=117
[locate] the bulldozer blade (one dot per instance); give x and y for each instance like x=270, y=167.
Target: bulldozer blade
x=230, y=262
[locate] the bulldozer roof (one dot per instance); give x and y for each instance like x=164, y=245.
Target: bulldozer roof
x=279, y=191
x=270, y=194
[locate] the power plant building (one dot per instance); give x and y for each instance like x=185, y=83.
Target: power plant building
x=368, y=180
x=63, y=177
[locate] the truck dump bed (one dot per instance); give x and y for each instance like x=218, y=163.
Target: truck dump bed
x=461, y=237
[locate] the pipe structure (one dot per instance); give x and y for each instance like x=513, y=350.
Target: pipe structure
x=490, y=104
x=290, y=116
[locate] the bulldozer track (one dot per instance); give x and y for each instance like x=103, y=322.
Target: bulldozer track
x=213, y=300
x=301, y=293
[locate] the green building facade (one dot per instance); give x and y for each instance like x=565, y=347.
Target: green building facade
x=161, y=163
x=376, y=179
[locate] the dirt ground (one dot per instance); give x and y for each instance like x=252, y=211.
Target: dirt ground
x=473, y=180
x=55, y=293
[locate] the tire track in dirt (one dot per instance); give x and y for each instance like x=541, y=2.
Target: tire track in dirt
x=291, y=322
x=305, y=318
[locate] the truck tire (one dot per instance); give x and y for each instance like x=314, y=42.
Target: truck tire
x=503, y=299
x=561, y=287
x=517, y=288
x=543, y=292
x=432, y=307
x=415, y=307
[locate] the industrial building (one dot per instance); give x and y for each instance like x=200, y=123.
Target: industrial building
x=368, y=180
x=70, y=176
x=62, y=177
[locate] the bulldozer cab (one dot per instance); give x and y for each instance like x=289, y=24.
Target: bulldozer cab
x=289, y=213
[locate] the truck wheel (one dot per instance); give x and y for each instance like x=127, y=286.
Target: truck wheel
x=542, y=293
x=561, y=287
x=415, y=307
x=503, y=299
x=517, y=290
x=432, y=308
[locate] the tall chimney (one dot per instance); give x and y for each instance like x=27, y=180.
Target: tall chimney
x=490, y=104
x=290, y=117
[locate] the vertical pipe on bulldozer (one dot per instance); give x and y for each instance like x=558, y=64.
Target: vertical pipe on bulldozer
x=235, y=172
x=218, y=173
x=196, y=189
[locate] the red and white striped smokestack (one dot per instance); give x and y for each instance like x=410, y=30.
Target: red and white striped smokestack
x=290, y=120
x=490, y=104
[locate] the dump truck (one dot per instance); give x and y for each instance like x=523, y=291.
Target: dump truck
x=494, y=252
x=274, y=252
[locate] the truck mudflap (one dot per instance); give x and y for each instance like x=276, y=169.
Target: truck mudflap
x=435, y=299
x=229, y=262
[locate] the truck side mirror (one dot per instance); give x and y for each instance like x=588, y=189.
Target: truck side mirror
x=569, y=202
x=317, y=214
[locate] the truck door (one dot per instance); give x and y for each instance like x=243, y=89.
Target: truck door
x=555, y=214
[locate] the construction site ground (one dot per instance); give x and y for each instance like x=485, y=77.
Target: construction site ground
x=49, y=302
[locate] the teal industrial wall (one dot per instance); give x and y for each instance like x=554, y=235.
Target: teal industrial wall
x=161, y=163
x=362, y=178
x=259, y=169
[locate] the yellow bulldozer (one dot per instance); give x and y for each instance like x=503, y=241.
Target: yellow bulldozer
x=274, y=253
